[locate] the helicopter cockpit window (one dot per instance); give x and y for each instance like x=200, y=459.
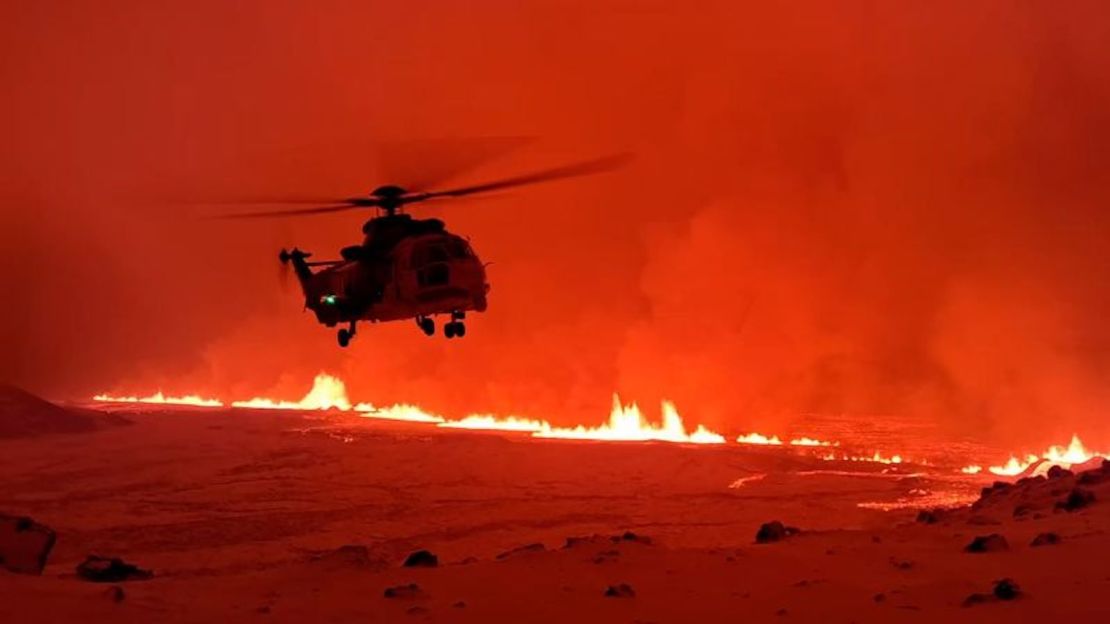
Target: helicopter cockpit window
x=459, y=249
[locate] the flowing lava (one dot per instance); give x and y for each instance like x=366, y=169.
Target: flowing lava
x=1073, y=454
x=757, y=438
x=626, y=423
x=160, y=399
x=327, y=393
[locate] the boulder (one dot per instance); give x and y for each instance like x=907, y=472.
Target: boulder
x=1006, y=589
x=1058, y=472
x=774, y=531
x=421, y=559
x=1077, y=499
x=412, y=590
x=98, y=569
x=1045, y=539
x=629, y=536
x=24, y=544
x=348, y=556
x=621, y=590
x=987, y=543
x=930, y=516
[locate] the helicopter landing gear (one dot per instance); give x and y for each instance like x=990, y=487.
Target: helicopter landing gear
x=426, y=325
x=456, y=328
x=344, y=335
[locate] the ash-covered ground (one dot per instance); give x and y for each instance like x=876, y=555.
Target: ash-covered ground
x=269, y=516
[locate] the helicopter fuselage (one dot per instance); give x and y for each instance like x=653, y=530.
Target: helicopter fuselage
x=404, y=269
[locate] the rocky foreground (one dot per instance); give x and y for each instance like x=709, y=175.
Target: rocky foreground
x=219, y=517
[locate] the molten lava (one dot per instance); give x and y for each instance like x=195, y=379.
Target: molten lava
x=757, y=438
x=327, y=393
x=489, y=422
x=626, y=423
x=160, y=399
x=1073, y=454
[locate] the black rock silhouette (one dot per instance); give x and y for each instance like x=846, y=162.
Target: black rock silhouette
x=774, y=531
x=987, y=543
x=622, y=590
x=421, y=559
x=24, y=544
x=110, y=570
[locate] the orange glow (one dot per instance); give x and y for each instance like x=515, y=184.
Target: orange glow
x=160, y=399
x=757, y=438
x=803, y=441
x=1074, y=453
x=495, y=423
x=401, y=411
x=327, y=393
x=876, y=457
x=626, y=423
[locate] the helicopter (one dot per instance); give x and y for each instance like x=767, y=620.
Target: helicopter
x=405, y=268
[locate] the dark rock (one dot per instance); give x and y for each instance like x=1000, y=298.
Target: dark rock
x=114, y=593
x=1006, y=589
x=1027, y=482
x=901, y=564
x=352, y=555
x=623, y=590
x=1022, y=510
x=930, y=516
x=629, y=536
x=582, y=540
x=879, y=597
x=1077, y=499
x=420, y=559
x=781, y=612
x=1045, y=539
x=987, y=543
x=1058, y=472
x=412, y=590
x=417, y=611
x=975, y=599
x=1092, y=477
x=459, y=605
x=24, y=544
x=522, y=550
x=774, y=531
x=98, y=569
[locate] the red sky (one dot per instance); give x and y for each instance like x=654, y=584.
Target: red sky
x=865, y=207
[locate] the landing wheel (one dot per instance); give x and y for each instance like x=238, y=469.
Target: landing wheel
x=344, y=337
x=427, y=325
x=454, y=329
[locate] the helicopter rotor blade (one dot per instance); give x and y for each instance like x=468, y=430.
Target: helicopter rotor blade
x=348, y=205
x=589, y=167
